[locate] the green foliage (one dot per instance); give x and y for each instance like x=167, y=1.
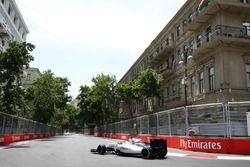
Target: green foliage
x=85, y=103
x=13, y=61
x=66, y=118
x=127, y=92
x=49, y=97
x=45, y=101
x=97, y=103
x=149, y=83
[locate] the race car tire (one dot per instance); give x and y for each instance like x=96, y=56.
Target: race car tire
x=147, y=153
x=163, y=153
x=101, y=149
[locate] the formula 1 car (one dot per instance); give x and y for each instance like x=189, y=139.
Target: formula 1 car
x=135, y=147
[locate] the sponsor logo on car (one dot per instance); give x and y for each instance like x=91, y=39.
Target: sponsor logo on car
x=189, y=144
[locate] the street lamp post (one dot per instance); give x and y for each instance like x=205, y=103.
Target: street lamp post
x=185, y=57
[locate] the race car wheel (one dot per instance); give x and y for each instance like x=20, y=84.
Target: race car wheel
x=163, y=153
x=147, y=153
x=101, y=149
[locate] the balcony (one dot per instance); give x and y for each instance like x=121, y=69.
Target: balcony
x=200, y=18
x=3, y=32
x=161, y=53
x=231, y=36
x=166, y=71
x=234, y=6
x=4, y=28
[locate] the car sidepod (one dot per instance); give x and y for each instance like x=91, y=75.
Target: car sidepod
x=129, y=148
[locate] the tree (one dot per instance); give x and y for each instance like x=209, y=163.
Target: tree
x=86, y=114
x=49, y=97
x=13, y=61
x=149, y=83
x=127, y=93
x=97, y=103
x=72, y=113
x=66, y=118
x=103, y=92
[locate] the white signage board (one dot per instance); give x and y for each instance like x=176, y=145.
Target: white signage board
x=248, y=123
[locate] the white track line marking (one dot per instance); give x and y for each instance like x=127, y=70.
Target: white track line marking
x=234, y=158
x=176, y=154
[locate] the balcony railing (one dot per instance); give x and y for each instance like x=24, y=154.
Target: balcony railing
x=221, y=33
x=161, y=51
x=229, y=31
x=4, y=28
x=199, y=18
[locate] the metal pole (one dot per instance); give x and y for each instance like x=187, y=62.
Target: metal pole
x=157, y=126
x=185, y=91
x=169, y=124
x=185, y=77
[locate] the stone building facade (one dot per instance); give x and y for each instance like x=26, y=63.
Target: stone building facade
x=215, y=40
x=12, y=25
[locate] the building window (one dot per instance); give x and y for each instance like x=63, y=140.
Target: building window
x=178, y=31
x=167, y=42
x=15, y=19
x=3, y=43
x=190, y=18
x=184, y=24
x=2, y=1
x=172, y=36
x=168, y=92
x=246, y=26
x=9, y=10
x=245, y=1
x=192, y=85
x=209, y=34
x=211, y=79
x=28, y=77
x=173, y=62
x=173, y=89
x=248, y=75
x=201, y=82
x=198, y=40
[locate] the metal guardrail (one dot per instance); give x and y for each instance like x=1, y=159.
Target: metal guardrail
x=213, y=120
x=10, y=124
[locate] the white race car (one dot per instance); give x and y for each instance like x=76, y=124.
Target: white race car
x=135, y=147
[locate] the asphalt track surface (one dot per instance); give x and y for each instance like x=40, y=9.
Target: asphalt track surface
x=73, y=150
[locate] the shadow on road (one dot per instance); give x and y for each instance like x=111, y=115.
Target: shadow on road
x=56, y=138
x=20, y=146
